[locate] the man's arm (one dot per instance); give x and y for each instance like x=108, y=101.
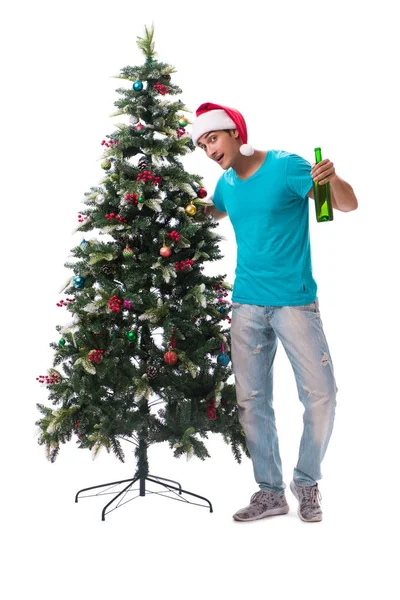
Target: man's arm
x=342, y=194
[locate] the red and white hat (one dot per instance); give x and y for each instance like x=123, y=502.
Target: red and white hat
x=214, y=117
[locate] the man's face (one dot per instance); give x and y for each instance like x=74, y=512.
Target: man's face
x=221, y=146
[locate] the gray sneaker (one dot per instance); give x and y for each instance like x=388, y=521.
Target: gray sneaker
x=263, y=504
x=308, y=496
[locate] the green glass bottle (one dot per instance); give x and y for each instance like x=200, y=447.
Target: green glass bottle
x=322, y=196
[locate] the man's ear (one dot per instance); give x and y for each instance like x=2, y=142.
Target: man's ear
x=234, y=133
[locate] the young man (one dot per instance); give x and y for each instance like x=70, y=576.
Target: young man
x=265, y=195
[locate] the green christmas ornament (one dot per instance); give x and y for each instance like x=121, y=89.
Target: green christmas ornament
x=183, y=121
x=106, y=164
x=141, y=199
x=62, y=342
x=131, y=335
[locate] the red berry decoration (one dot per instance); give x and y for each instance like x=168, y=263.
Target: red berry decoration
x=174, y=235
x=211, y=409
x=161, y=88
x=114, y=304
x=65, y=303
x=170, y=358
x=111, y=216
x=184, y=265
x=202, y=193
x=48, y=379
x=132, y=198
x=95, y=355
x=145, y=176
x=109, y=144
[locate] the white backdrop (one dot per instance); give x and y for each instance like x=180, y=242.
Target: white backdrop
x=304, y=74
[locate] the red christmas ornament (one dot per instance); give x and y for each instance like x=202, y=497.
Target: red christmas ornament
x=165, y=251
x=170, y=357
x=202, y=193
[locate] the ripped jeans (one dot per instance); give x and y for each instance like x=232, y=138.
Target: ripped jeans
x=255, y=331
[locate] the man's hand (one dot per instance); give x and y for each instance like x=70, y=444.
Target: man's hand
x=323, y=171
x=211, y=210
x=342, y=194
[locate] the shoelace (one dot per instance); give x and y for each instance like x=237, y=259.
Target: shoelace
x=311, y=494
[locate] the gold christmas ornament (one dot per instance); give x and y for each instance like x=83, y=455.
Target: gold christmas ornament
x=191, y=210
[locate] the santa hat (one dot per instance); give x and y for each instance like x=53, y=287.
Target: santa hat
x=214, y=117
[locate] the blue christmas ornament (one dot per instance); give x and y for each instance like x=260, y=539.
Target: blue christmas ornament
x=84, y=243
x=223, y=310
x=137, y=86
x=78, y=282
x=223, y=360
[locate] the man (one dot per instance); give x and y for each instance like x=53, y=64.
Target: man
x=265, y=195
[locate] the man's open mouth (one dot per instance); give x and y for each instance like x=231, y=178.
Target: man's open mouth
x=219, y=158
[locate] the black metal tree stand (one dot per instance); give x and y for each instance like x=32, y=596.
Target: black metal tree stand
x=141, y=476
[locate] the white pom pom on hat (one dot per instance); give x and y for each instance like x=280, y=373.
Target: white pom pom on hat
x=215, y=117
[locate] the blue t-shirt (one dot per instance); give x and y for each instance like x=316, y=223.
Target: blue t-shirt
x=270, y=218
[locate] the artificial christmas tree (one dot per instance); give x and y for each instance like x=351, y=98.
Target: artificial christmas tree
x=145, y=358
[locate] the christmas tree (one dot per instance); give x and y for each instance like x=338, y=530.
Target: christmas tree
x=145, y=355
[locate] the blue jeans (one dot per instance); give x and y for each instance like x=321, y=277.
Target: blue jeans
x=255, y=331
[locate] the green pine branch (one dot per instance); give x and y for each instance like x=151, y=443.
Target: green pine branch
x=146, y=43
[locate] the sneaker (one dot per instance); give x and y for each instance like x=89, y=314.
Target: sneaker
x=263, y=504
x=308, y=496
